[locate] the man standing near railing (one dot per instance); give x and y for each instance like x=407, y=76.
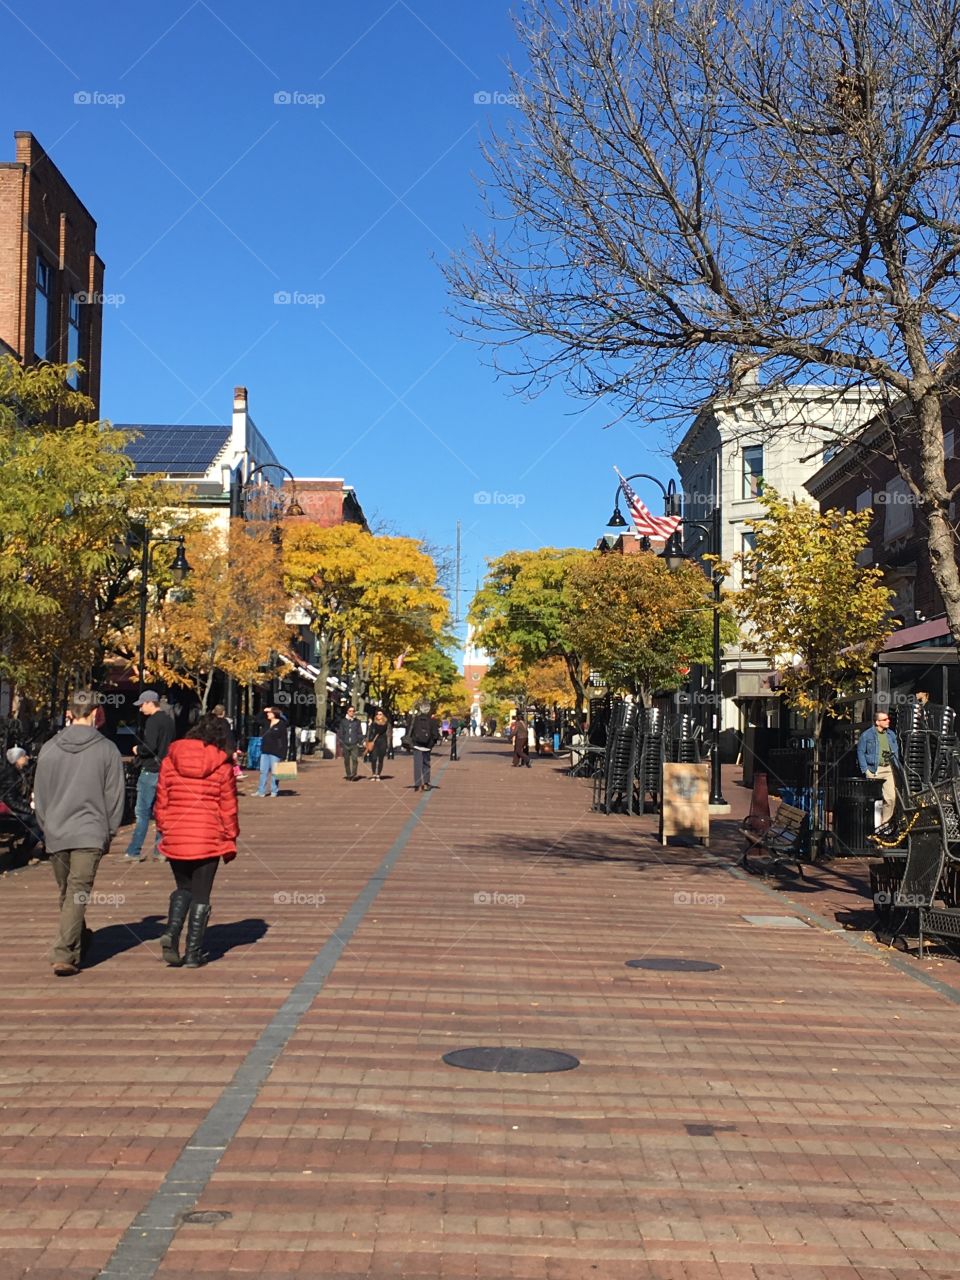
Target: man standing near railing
x=877, y=752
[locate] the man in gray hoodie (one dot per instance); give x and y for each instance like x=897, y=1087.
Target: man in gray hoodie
x=78, y=794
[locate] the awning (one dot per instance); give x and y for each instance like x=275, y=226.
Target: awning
x=922, y=633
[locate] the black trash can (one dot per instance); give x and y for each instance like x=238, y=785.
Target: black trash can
x=853, y=819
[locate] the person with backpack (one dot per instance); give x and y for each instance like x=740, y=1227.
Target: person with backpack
x=423, y=734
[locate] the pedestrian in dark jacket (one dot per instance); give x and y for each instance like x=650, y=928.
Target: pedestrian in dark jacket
x=378, y=732
x=197, y=813
x=423, y=734
x=16, y=786
x=350, y=737
x=521, y=743
x=158, y=732
x=79, y=794
x=273, y=749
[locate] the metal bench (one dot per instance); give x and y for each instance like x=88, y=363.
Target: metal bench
x=786, y=840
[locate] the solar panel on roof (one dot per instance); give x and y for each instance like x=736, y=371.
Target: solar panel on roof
x=182, y=449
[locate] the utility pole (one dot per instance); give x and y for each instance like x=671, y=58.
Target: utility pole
x=456, y=607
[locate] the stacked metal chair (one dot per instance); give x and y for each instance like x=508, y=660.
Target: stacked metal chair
x=684, y=741
x=652, y=755
x=614, y=788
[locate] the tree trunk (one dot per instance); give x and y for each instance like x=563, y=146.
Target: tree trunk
x=941, y=540
x=205, y=697
x=573, y=671
x=320, y=688
x=817, y=815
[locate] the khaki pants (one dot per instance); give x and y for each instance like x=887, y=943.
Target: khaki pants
x=75, y=871
x=885, y=774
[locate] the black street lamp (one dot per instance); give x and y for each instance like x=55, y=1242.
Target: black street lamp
x=671, y=502
x=178, y=571
x=253, y=485
x=673, y=556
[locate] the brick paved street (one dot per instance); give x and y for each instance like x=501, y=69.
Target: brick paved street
x=792, y=1114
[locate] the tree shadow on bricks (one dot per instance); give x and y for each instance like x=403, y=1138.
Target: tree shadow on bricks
x=587, y=847
x=221, y=938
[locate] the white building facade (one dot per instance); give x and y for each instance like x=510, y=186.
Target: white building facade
x=778, y=437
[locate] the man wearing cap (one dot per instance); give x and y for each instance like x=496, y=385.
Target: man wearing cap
x=79, y=794
x=158, y=733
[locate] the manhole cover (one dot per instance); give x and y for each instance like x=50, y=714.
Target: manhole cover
x=206, y=1217
x=709, y=1130
x=776, y=922
x=516, y=1060
x=677, y=964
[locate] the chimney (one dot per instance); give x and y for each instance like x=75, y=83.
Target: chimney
x=238, y=426
x=743, y=372
x=239, y=399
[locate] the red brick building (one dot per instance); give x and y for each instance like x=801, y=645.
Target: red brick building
x=51, y=279
x=921, y=653
x=326, y=502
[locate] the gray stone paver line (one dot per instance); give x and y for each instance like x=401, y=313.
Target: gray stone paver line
x=143, y=1245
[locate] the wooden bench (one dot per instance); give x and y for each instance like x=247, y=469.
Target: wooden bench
x=786, y=840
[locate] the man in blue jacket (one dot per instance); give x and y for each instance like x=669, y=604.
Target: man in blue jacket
x=877, y=752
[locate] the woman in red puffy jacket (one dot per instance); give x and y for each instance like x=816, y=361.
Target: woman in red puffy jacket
x=196, y=813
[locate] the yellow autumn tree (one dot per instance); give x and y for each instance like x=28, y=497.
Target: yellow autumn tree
x=369, y=599
x=229, y=614
x=820, y=615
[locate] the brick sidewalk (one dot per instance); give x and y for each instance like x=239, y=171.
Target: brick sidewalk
x=792, y=1114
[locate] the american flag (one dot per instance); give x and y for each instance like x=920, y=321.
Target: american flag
x=647, y=525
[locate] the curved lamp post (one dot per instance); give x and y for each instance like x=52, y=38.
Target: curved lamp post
x=178, y=571
x=294, y=508
x=673, y=556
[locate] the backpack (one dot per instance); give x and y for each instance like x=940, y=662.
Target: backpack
x=421, y=731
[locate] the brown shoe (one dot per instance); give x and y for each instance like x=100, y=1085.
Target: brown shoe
x=64, y=969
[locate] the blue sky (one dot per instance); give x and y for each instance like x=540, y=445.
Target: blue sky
x=212, y=197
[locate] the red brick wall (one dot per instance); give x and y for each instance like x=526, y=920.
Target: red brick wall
x=322, y=500
x=874, y=473
x=39, y=211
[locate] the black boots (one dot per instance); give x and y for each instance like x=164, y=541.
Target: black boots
x=196, y=927
x=170, y=939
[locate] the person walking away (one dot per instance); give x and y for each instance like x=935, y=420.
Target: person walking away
x=79, y=795
x=521, y=745
x=454, y=734
x=273, y=749
x=15, y=793
x=376, y=746
x=877, y=752
x=423, y=734
x=350, y=737
x=197, y=813
x=159, y=731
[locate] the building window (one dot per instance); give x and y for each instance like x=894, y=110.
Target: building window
x=748, y=542
x=864, y=500
x=752, y=471
x=898, y=503
x=948, y=444
x=74, y=331
x=42, y=309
